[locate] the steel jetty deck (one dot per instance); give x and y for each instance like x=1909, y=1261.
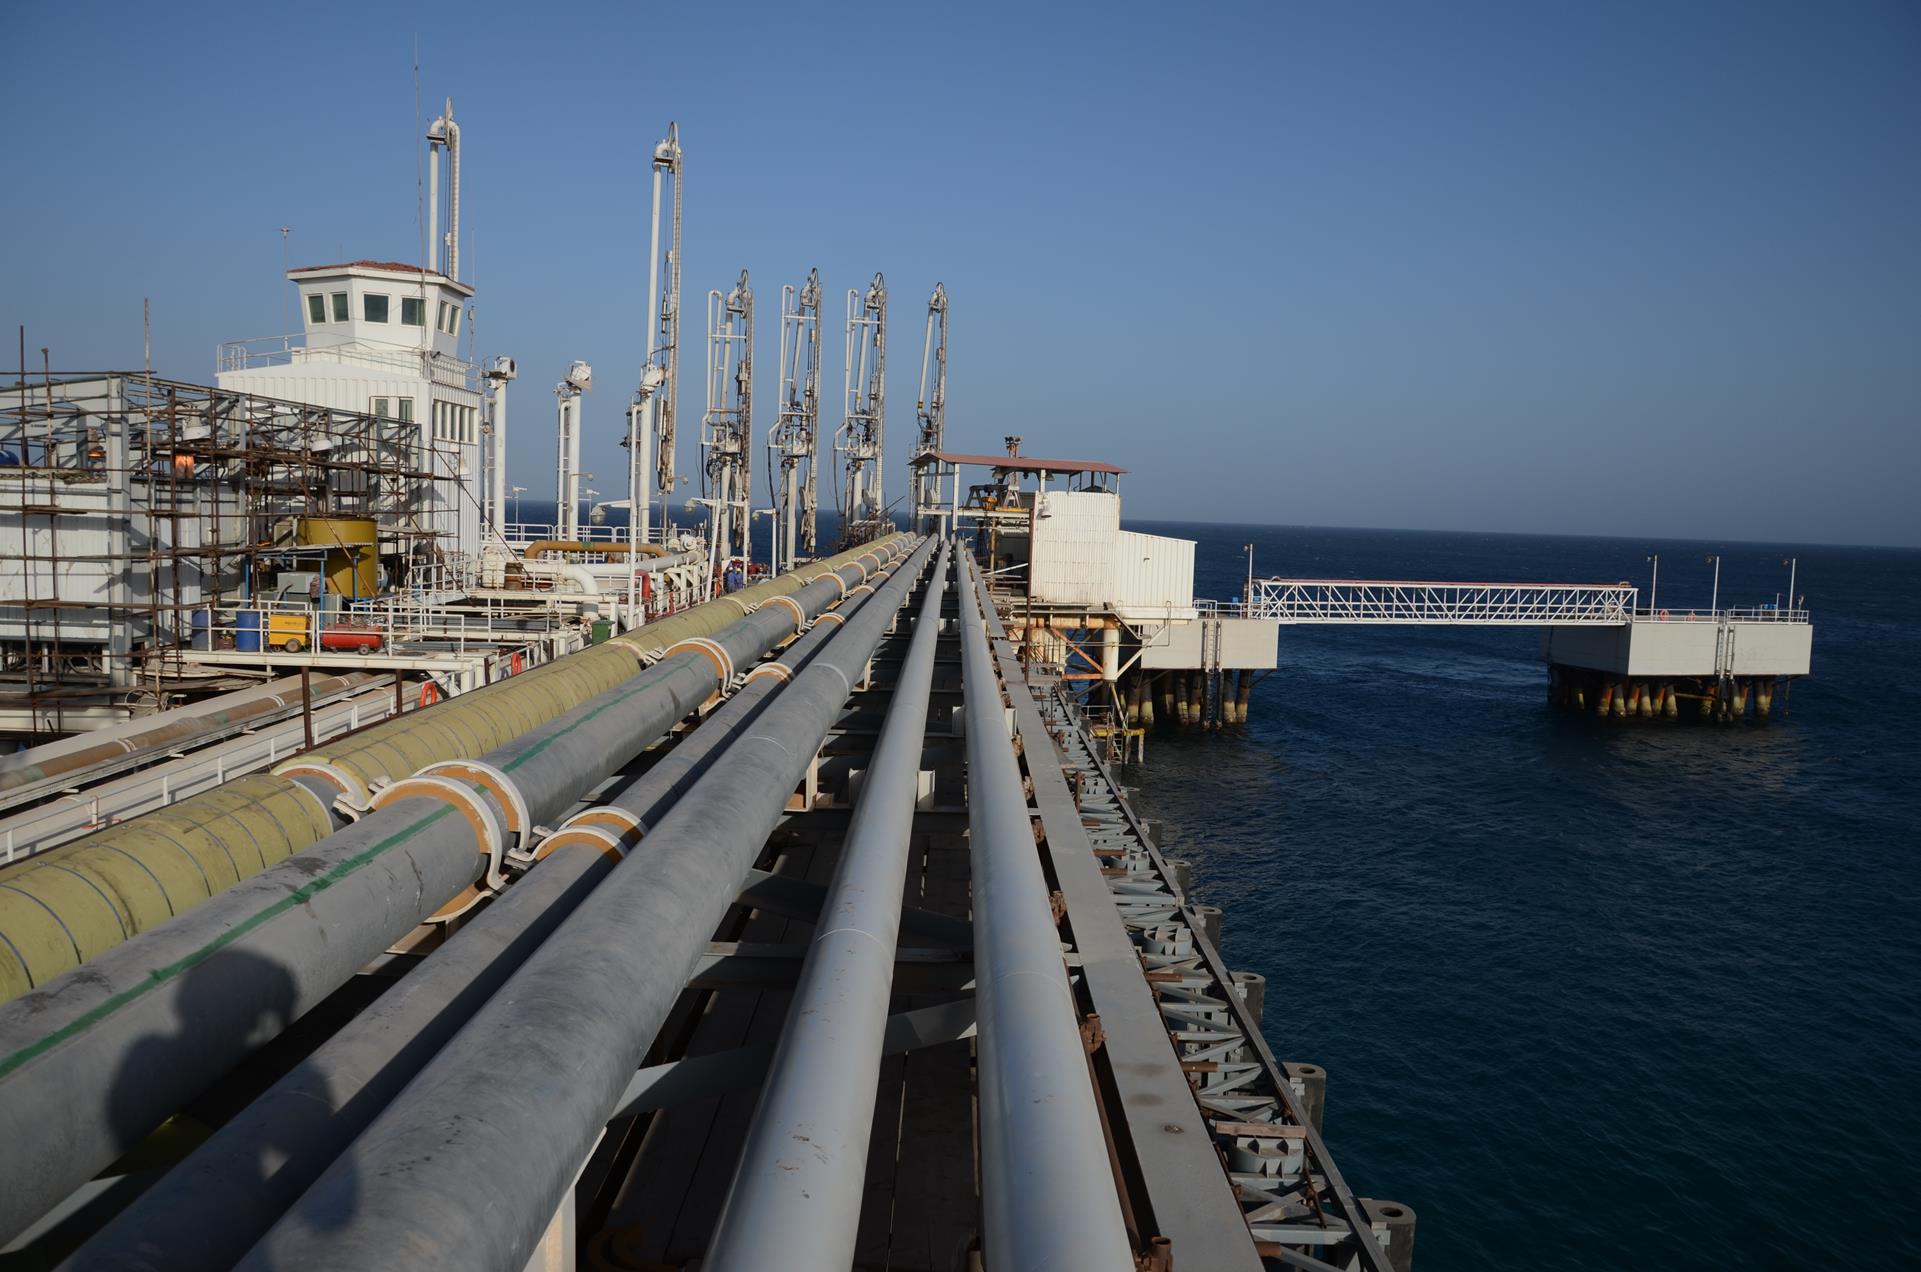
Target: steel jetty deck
x=822, y=938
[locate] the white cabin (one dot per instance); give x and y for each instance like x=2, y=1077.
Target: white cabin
x=383, y=338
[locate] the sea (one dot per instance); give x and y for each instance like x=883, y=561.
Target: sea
x=1590, y=993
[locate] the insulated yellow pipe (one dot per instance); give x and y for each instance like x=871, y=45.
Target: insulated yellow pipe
x=64, y=906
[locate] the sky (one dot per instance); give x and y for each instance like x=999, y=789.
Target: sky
x=1647, y=269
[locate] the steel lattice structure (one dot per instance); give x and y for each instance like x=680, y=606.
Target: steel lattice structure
x=727, y=429
x=1459, y=604
x=792, y=443
x=862, y=436
x=931, y=407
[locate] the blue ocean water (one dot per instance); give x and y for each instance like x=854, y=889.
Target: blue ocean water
x=1590, y=993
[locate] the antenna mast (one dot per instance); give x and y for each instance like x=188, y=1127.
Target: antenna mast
x=791, y=446
x=861, y=437
x=932, y=412
x=727, y=430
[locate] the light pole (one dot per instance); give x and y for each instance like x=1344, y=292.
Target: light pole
x=286, y=264
x=1247, y=593
x=1714, y=606
x=1792, y=563
x=1654, y=585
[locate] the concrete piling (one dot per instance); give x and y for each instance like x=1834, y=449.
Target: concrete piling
x=1310, y=1088
x=1252, y=987
x=1393, y=1225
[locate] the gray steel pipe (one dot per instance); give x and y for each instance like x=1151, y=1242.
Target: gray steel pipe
x=211, y=1208
x=467, y=1166
x=208, y=1210
x=796, y=1196
x=93, y=1060
x=1047, y=1188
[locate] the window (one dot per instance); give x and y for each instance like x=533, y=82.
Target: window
x=453, y=320
x=316, y=307
x=340, y=306
x=380, y=407
x=406, y=408
x=413, y=311
x=373, y=307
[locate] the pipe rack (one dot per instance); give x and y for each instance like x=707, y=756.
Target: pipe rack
x=238, y=968
x=798, y=1208
x=1047, y=1190
x=549, y=1056
x=211, y=1208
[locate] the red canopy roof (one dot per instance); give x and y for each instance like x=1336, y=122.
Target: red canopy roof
x=1021, y=463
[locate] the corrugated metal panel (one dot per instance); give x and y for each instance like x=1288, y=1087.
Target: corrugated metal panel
x=1153, y=572
x=1076, y=534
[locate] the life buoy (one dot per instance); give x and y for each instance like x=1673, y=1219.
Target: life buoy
x=1664, y=615
x=429, y=694
x=514, y=664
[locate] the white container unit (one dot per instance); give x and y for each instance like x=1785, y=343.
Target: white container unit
x=1076, y=536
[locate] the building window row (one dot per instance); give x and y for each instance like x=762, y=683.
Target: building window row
x=377, y=307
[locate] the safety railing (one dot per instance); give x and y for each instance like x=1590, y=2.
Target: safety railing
x=290, y=350
x=525, y=532
x=1738, y=614
x=394, y=623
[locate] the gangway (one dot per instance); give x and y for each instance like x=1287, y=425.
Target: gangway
x=1467, y=604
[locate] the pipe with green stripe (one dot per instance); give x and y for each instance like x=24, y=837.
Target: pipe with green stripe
x=67, y=905
x=91, y=1062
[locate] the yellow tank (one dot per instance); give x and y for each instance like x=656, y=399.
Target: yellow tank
x=353, y=552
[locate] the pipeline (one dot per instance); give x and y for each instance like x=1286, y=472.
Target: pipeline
x=181, y=727
x=800, y=1209
x=622, y=550
x=207, y=1211
x=74, y=902
x=77, y=1090
x=1047, y=1189
x=550, y=1055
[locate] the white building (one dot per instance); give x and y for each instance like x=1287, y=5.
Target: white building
x=383, y=338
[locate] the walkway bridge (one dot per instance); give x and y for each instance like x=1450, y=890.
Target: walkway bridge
x=1602, y=648
x=1459, y=604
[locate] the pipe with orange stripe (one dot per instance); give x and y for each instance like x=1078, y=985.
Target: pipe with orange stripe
x=79, y=900
x=277, y=943
x=211, y=1208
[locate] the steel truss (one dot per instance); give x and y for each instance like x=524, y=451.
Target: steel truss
x=1460, y=604
x=727, y=429
x=862, y=436
x=792, y=444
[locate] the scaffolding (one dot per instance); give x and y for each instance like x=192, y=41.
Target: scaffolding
x=128, y=502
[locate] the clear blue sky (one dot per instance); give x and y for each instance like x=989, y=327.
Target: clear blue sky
x=1649, y=269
